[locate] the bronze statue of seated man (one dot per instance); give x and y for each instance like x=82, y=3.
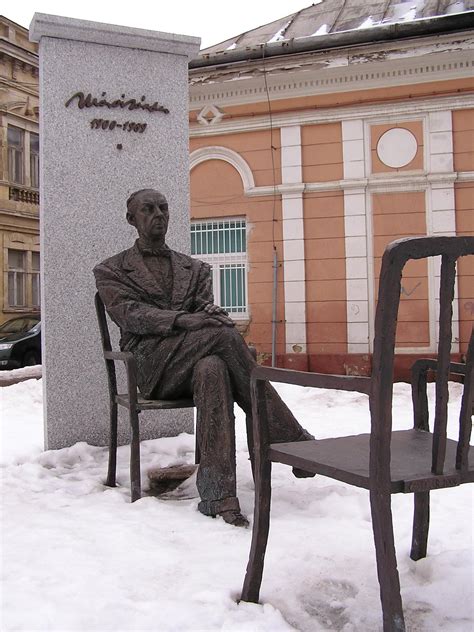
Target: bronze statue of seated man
x=185, y=346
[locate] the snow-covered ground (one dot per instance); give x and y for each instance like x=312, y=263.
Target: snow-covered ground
x=77, y=556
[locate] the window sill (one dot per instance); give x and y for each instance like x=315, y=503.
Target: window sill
x=21, y=310
x=241, y=324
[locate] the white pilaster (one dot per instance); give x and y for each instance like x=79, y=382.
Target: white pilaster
x=441, y=218
x=293, y=240
x=356, y=235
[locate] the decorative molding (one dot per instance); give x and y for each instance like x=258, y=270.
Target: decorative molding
x=210, y=115
x=371, y=66
x=386, y=183
x=465, y=176
x=406, y=109
x=397, y=147
x=216, y=152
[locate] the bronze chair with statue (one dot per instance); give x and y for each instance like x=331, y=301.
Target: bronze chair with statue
x=180, y=349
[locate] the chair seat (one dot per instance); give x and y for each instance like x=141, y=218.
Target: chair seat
x=155, y=404
x=411, y=452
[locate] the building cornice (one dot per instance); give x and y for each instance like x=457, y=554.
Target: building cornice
x=334, y=71
x=387, y=110
x=18, y=54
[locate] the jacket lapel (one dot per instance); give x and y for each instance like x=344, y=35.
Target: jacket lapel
x=182, y=274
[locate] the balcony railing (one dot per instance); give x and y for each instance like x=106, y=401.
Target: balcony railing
x=28, y=196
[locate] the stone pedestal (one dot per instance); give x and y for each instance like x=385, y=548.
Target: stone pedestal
x=114, y=119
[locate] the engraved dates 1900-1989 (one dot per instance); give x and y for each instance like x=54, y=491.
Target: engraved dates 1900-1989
x=128, y=126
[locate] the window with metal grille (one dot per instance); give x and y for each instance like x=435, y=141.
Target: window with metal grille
x=223, y=244
x=16, y=160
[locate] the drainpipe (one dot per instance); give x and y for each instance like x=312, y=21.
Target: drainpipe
x=274, y=305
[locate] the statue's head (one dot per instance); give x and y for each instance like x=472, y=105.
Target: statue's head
x=147, y=211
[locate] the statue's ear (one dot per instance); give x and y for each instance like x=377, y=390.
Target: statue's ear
x=130, y=219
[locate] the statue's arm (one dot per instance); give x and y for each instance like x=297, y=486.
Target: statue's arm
x=129, y=310
x=204, y=295
x=203, y=312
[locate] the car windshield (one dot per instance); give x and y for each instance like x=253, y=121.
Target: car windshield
x=18, y=325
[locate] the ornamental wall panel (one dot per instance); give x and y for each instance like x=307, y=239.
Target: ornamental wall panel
x=463, y=139
x=397, y=215
x=322, y=152
x=397, y=147
x=325, y=271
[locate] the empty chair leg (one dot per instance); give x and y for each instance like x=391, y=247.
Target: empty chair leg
x=421, y=523
x=382, y=526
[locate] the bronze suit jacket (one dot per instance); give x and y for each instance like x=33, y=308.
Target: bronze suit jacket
x=145, y=315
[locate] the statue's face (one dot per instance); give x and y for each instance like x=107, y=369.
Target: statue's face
x=149, y=214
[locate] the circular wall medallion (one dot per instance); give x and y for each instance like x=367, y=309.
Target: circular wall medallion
x=397, y=147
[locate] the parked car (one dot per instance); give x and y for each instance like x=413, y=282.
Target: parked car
x=20, y=342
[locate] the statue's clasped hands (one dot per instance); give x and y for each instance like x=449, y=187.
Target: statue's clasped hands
x=210, y=316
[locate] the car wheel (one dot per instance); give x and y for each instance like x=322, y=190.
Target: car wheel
x=31, y=358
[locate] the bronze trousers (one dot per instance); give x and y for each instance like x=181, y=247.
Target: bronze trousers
x=213, y=365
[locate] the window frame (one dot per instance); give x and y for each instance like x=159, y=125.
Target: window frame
x=220, y=261
x=30, y=175
x=34, y=162
x=14, y=273
x=16, y=154
x=31, y=275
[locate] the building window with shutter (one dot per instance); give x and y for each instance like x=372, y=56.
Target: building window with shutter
x=35, y=279
x=34, y=160
x=23, y=165
x=22, y=280
x=16, y=154
x=17, y=278
x=223, y=244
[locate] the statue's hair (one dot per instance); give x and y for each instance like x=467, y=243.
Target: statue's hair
x=131, y=199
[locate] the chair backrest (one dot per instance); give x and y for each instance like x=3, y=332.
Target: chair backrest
x=394, y=259
x=106, y=343
x=102, y=321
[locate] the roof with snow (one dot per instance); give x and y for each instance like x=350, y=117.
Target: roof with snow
x=326, y=17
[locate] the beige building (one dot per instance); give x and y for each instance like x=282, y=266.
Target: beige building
x=19, y=172
x=321, y=137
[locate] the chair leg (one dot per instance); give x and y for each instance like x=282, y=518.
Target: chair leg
x=393, y=620
x=197, y=448
x=197, y=451
x=421, y=523
x=135, y=476
x=111, y=471
x=249, y=426
x=261, y=524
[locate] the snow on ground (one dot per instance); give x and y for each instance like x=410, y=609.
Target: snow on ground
x=77, y=556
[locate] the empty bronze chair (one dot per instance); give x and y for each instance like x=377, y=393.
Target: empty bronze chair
x=383, y=462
